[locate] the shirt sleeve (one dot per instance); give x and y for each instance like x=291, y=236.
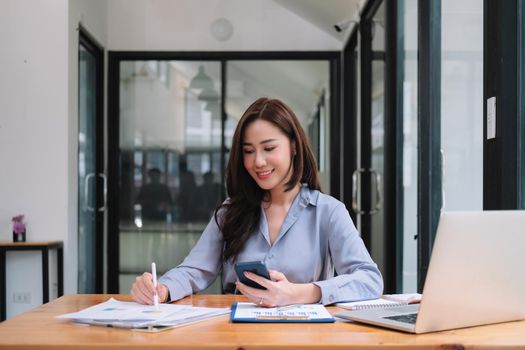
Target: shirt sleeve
x=200, y=268
x=358, y=276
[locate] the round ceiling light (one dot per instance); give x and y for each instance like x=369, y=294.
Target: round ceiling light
x=221, y=29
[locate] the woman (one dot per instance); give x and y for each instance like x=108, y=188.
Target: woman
x=275, y=213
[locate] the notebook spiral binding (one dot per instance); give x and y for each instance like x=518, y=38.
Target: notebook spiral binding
x=377, y=306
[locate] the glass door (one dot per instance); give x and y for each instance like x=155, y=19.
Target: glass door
x=462, y=104
x=368, y=177
x=170, y=162
x=174, y=137
x=91, y=178
x=410, y=136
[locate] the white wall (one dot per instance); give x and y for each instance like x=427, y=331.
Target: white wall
x=167, y=25
x=38, y=129
x=33, y=132
x=33, y=124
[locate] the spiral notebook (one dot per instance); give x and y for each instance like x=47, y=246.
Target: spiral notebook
x=389, y=300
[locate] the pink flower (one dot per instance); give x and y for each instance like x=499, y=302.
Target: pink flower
x=18, y=225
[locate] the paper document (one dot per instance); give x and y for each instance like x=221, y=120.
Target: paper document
x=249, y=312
x=124, y=314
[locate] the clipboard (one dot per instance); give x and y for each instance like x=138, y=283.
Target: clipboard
x=307, y=313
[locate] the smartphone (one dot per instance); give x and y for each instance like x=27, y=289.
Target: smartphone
x=256, y=267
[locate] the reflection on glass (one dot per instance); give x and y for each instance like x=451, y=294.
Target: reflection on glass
x=410, y=149
x=303, y=85
x=357, y=194
x=378, y=161
x=154, y=199
x=170, y=161
x=462, y=104
x=86, y=171
x=170, y=138
x=377, y=135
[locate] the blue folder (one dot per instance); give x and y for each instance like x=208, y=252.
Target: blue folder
x=315, y=313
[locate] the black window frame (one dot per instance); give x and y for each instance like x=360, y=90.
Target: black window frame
x=504, y=78
x=429, y=131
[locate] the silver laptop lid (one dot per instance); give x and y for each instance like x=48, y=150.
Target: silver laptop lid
x=476, y=273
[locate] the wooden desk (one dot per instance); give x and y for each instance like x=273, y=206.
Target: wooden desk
x=43, y=247
x=40, y=329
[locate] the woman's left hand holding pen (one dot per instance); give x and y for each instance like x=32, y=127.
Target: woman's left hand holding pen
x=143, y=291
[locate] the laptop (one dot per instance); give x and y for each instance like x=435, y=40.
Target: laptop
x=476, y=276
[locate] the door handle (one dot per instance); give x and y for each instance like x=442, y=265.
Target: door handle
x=377, y=207
x=105, y=195
x=86, y=192
x=355, y=205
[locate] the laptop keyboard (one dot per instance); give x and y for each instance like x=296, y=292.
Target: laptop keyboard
x=406, y=318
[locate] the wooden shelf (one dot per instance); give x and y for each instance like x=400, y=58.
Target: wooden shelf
x=43, y=247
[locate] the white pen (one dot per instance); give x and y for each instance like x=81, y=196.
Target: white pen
x=155, y=294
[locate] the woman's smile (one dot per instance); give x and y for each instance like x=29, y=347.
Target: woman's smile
x=263, y=175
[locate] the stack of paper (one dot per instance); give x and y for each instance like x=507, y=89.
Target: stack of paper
x=122, y=314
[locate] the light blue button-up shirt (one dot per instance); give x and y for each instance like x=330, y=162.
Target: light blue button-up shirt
x=317, y=238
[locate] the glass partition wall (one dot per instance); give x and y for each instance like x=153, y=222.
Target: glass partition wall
x=462, y=104
x=174, y=140
x=377, y=131
x=91, y=176
x=410, y=131
x=170, y=166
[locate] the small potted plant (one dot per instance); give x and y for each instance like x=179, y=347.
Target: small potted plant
x=19, y=228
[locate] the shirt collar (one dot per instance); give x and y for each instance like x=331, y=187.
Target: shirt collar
x=308, y=196
x=305, y=197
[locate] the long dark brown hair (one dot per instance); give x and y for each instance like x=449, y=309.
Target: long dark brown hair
x=241, y=213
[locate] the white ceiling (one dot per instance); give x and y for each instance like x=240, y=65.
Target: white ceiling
x=324, y=14
x=278, y=24
x=254, y=25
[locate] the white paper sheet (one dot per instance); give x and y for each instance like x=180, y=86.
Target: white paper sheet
x=132, y=315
